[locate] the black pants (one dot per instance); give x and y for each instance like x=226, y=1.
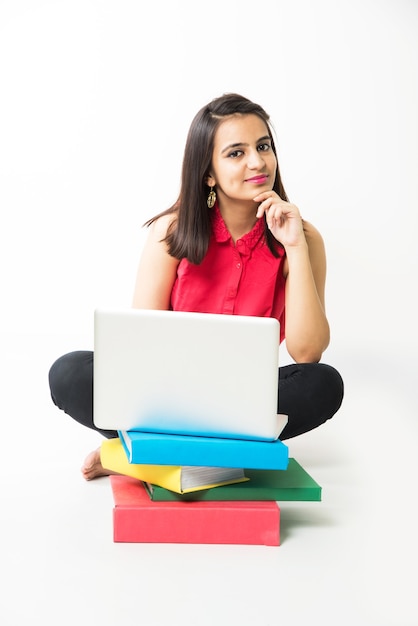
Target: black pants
x=309, y=393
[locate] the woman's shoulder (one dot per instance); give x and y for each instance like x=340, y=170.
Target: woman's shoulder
x=316, y=247
x=160, y=225
x=314, y=240
x=311, y=232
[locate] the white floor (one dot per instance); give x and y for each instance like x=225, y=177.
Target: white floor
x=350, y=559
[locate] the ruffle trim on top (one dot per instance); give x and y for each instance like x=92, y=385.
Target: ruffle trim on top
x=249, y=241
x=221, y=232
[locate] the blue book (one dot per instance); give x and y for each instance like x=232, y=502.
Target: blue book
x=169, y=449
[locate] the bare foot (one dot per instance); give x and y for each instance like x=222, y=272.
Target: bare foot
x=93, y=468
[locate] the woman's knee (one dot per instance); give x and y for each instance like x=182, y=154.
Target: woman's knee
x=333, y=385
x=69, y=374
x=310, y=394
x=315, y=385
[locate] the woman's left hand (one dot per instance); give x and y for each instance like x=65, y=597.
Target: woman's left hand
x=283, y=218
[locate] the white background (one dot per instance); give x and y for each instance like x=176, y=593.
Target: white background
x=96, y=98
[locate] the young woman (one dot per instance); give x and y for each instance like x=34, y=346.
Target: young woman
x=232, y=243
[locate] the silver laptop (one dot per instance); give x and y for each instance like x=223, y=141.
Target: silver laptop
x=187, y=373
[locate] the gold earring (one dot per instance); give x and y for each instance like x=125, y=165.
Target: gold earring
x=211, y=198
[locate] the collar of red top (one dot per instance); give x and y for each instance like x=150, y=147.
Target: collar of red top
x=221, y=232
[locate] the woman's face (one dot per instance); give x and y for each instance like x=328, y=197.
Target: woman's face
x=243, y=161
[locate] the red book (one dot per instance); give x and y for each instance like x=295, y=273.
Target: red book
x=137, y=519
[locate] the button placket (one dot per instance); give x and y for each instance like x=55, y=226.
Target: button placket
x=235, y=277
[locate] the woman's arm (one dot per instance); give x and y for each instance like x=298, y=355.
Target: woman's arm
x=156, y=270
x=307, y=329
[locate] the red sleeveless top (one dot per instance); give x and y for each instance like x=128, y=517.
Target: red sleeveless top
x=235, y=279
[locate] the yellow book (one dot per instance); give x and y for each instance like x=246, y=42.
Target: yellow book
x=180, y=479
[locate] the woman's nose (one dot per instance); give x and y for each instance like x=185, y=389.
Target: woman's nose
x=255, y=160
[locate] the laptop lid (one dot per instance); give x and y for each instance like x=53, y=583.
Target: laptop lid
x=188, y=373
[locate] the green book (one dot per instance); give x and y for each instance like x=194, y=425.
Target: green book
x=291, y=484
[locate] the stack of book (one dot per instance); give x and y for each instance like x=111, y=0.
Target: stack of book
x=173, y=488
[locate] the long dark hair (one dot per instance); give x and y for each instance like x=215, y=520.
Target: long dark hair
x=189, y=233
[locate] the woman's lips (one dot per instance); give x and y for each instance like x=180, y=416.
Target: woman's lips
x=258, y=180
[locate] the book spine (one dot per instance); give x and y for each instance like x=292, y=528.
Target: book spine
x=267, y=455
x=252, y=525
x=136, y=519
x=220, y=494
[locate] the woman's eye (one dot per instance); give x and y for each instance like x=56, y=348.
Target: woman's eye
x=263, y=147
x=235, y=154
